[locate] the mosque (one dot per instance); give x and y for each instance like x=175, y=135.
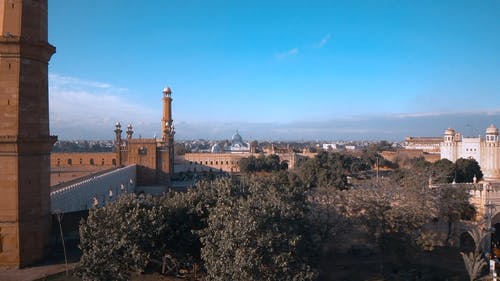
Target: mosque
x=486, y=151
x=236, y=146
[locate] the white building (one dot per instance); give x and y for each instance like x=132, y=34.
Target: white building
x=236, y=146
x=332, y=146
x=485, y=151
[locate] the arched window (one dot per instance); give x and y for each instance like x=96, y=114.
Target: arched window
x=70, y=162
x=92, y=161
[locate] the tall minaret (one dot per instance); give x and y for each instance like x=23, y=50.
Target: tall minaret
x=166, y=121
x=166, y=162
x=25, y=142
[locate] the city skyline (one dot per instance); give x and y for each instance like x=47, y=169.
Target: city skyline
x=283, y=70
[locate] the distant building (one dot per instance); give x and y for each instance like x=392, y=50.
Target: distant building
x=226, y=157
x=426, y=144
x=485, y=151
x=236, y=146
x=327, y=146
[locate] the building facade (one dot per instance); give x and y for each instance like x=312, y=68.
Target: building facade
x=25, y=142
x=426, y=144
x=154, y=157
x=486, y=151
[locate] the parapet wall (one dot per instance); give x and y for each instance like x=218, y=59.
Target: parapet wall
x=82, y=159
x=96, y=191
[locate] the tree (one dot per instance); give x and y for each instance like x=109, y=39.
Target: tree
x=327, y=169
x=467, y=169
x=259, y=231
x=453, y=205
x=270, y=163
x=119, y=238
x=443, y=171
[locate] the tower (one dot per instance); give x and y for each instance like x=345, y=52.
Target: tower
x=490, y=155
x=166, y=149
x=166, y=121
x=25, y=142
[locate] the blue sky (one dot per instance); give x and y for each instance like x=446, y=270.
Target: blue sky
x=275, y=69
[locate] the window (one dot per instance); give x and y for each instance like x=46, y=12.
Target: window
x=91, y=161
x=70, y=162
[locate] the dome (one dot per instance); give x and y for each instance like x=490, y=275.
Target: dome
x=492, y=130
x=167, y=90
x=236, y=139
x=449, y=131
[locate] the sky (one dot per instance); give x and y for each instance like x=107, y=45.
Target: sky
x=275, y=70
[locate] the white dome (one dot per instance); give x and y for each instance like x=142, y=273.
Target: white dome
x=449, y=131
x=492, y=130
x=236, y=139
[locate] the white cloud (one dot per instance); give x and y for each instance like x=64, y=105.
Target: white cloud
x=291, y=52
x=322, y=42
x=89, y=109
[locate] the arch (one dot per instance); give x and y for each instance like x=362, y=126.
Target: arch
x=91, y=161
x=102, y=162
x=69, y=161
x=113, y=162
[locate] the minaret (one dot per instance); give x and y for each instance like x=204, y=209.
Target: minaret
x=118, y=143
x=166, y=121
x=166, y=160
x=25, y=142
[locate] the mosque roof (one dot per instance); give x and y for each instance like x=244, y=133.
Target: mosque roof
x=492, y=130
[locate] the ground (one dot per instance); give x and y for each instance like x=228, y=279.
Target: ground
x=441, y=264
x=145, y=277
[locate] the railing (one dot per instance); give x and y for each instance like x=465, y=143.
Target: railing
x=95, y=191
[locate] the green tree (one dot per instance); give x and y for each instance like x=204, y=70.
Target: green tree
x=259, y=231
x=467, y=169
x=453, y=205
x=119, y=238
x=443, y=171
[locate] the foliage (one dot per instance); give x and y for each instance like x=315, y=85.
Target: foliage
x=390, y=208
x=328, y=214
x=270, y=163
x=453, y=205
x=259, y=231
x=441, y=171
x=467, y=169
x=119, y=238
x=329, y=169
